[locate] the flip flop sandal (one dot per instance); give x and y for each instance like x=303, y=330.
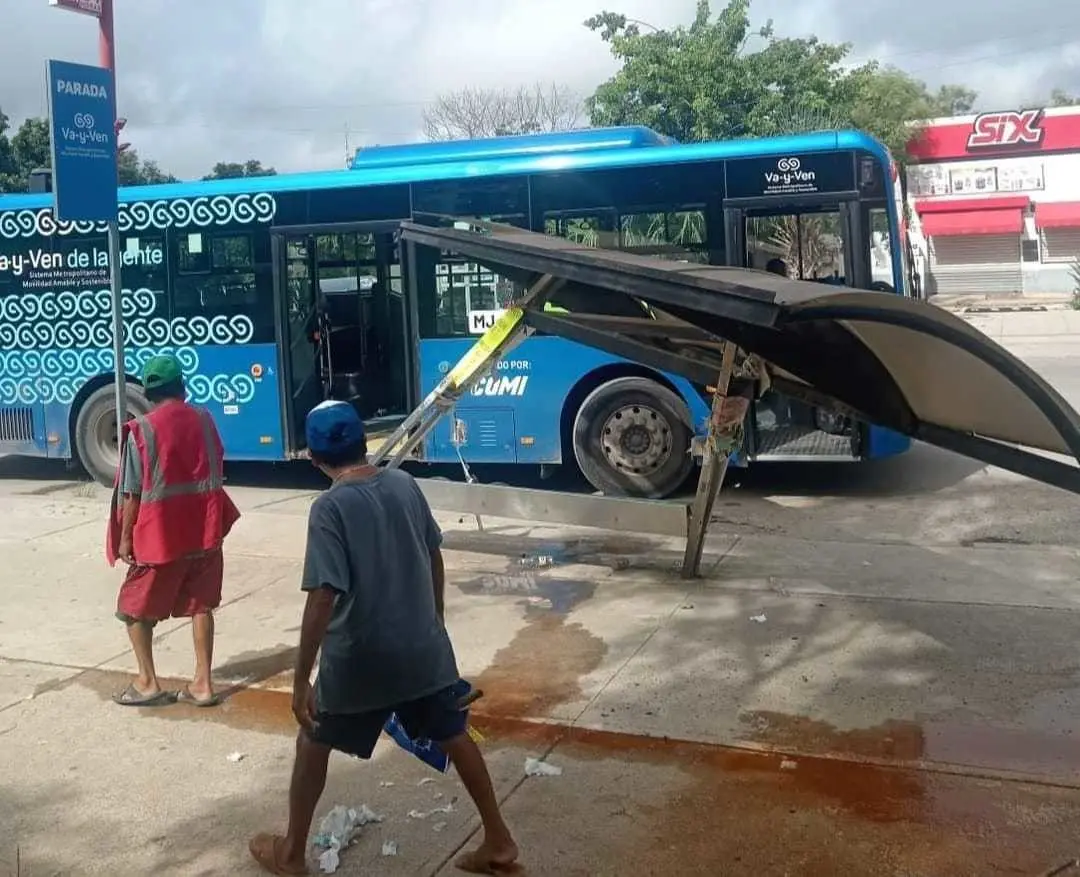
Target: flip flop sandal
x=131, y=696
x=474, y=863
x=264, y=849
x=185, y=696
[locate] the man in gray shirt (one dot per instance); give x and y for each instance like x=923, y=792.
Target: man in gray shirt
x=373, y=573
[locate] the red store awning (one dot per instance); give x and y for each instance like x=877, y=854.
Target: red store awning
x=1060, y=214
x=951, y=217
x=973, y=222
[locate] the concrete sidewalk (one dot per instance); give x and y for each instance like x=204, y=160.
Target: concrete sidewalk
x=827, y=701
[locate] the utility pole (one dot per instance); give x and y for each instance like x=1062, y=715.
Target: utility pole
x=107, y=59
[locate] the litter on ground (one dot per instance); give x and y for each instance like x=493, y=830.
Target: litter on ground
x=534, y=767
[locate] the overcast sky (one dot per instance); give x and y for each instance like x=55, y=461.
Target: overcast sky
x=210, y=80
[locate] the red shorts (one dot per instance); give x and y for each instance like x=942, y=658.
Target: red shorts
x=179, y=589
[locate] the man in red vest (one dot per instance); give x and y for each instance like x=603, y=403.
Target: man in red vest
x=169, y=517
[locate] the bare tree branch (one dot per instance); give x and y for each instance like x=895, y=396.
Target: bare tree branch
x=476, y=112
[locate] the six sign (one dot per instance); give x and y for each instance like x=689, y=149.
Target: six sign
x=1007, y=129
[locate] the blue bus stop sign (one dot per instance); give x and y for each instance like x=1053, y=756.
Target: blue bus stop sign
x=82, y=120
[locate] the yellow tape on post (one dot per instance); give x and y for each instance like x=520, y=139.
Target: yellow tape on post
x=485, y=348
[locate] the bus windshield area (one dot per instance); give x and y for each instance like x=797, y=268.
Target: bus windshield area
x=821, y=245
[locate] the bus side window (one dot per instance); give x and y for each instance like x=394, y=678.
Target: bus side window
x=143, y=266
x=586, y=229
x=678, y=235
x=225, y=274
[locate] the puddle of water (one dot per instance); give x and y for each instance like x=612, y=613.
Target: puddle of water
x=537, y=591
x=540, y=668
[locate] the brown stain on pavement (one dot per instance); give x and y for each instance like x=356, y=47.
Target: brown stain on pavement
x=972, y=742
x=539, y=669
x=742, y=813
x=243, y=709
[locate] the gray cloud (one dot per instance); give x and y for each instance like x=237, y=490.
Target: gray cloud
x=280, y=80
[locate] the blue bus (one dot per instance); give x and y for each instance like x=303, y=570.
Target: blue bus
x=278, y=292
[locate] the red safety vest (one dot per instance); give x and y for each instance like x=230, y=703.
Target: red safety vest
x=184, y=509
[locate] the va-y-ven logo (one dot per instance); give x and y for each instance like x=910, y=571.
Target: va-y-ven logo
x=1007, y=129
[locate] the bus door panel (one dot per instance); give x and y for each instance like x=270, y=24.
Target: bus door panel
x=302, y=342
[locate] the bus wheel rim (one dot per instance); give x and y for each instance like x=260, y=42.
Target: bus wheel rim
x=636, y=439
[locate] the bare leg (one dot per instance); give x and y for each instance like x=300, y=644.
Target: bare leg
x=141, y=635
x=497, y=852
x=202, y=629
x=308, y=782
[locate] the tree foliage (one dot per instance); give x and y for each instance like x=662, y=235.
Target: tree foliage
x=28, y=149
x=230, y=170
x=722, y=78
x=485, y=112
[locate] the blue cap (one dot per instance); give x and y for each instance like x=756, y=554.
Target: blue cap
x=333, y=426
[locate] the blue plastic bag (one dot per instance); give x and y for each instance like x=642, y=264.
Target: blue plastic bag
x=427, y=751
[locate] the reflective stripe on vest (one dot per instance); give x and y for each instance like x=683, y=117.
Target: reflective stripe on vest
x=158, y=490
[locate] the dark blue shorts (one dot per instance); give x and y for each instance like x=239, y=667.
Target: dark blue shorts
x=437, y=717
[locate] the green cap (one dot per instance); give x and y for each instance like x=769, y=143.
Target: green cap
x=161, y=370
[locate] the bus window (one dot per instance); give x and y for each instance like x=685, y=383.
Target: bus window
x=221, y=275
x=468, y=298
x=679, y=235
x=810, y=245
x=143, y=266
x=587, y=229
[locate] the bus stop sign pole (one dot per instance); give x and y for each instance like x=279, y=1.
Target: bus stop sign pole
x=82, y=114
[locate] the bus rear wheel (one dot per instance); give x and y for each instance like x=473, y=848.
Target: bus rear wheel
x=631, y=437
x=96, y=441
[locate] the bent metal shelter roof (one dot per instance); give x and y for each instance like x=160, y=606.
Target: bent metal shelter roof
x=899, y=363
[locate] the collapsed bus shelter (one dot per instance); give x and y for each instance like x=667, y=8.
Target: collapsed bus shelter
x=899, y=363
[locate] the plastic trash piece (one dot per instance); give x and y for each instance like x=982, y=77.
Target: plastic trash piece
x=337, y=830
x=235, y=757
x=389, y=848
x=426, y=781
x=534, y=767
x=386, y=784
x=760, y=619
x=788, y=764
x=421, y=814
x=426, y=750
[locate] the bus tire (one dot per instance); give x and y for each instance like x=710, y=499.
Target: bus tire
x=96, y=442
x=631, y=437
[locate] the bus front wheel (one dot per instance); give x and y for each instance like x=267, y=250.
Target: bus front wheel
x=631, y=437
x=96, y=441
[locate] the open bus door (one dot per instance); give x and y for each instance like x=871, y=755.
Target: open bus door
x=343, y=324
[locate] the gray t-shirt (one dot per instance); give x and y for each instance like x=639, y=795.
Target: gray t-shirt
x=371, y=542
x=131, y=482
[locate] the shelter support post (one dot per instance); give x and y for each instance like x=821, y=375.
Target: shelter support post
x=721, y=439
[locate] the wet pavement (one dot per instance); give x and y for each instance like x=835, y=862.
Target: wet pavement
x=876, y=676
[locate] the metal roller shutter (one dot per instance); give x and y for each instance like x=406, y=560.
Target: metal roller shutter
x=1060, y=244
x=976, y=265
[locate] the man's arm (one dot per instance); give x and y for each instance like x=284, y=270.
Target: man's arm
x=438, y=581
x=326, y=575
x=317, y=613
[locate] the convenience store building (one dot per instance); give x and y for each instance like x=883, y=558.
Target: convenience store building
x=995, y=203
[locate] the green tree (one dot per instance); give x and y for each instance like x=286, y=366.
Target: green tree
x=722, y=78
x=133, y=171
x=29, y=149
x=1061, y=98
x=230, y=170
